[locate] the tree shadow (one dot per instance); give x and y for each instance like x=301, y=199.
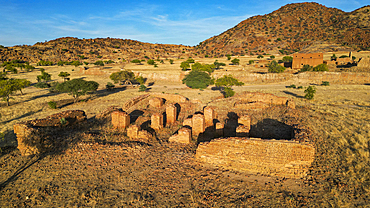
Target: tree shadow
x=22, y=116
x=293, y=94
x=231, y=124
x=271, y=129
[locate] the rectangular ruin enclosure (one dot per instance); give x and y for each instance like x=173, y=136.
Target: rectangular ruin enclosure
x=273, y=157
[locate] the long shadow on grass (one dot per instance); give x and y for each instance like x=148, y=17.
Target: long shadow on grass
x=22, y=116
x=53, y=144
x=293, y=94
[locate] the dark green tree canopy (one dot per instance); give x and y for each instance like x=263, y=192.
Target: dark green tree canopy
x=64, y=75
x=235, y=61
x=125, y=77
x=198, y=80
x=274, y=67
x=228, y=81
x=203, y=67
x=184, y=65
x=287, y=59
x=77, y=87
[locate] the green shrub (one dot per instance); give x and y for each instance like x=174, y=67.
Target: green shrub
x=52, y=105
x=142, y=88
x=306, y=67
x=251, y=61
x=228, y=92
x=42, y=85
x=310, y=92
x=99, y=63
x=325, y=83
x=235, y=61
x=109, y=86
x=151, y=62
x=321, y=67
x=300, y=87
x=291, y=86
x=184, y=65
x=259, y=56
x=274, y=67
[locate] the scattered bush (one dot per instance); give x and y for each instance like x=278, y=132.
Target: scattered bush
x=251, y=61
x=42, y=85
x=274, y=67
x=310, y=92
x=291, y=86
x=218, y=64
x=99, y=63
x=259, y=56
x=306, y=67
x=44, y=63
x=151, y=62
x=287, y=59
x=64, y=75
x=109, y=86
x=228, y=92
x=235, y=61
x=136, y=61
x=142, y=88
x=52, y=105
x=203, y=67
x=325, y=83
x=321, y=67
x=184, y=65
x=171, y=61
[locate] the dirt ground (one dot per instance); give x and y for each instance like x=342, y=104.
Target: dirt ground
x=104, y=170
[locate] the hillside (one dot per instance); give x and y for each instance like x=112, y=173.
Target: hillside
x=292, y=28
x=70, y=49
x=306, y=27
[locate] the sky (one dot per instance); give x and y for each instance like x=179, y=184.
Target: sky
x=169, y=22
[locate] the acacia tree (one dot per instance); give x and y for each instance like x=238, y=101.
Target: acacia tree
x=184, y=65
x=10, y=86
x=64, y=75
x=198, y=80
x=226, y=82
x=125, y=77
x=77, y=87
x=235, y=61
x=274, y=67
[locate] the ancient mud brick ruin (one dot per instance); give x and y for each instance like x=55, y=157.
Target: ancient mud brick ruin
x=257, y=100
x=312, y=59
x=156, y=102
x=133, y=131
x=171, y=114
x=209, y=115
x=157, y=121
x=198, y=124
x=280, y=158
x=32, y=135
x=183, y=136
x=120, y=119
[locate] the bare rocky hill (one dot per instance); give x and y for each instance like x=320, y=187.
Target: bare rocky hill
x=292, y=28
x=295, y=27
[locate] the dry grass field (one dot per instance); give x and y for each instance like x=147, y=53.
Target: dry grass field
x=91, y=171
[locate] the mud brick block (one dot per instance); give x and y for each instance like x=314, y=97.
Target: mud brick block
x=120, y=119
x=157, y=121
x=156, y=102
x=242, y=131
x=220, y=129
x=209, y=115
x=133, y=131
x=188, y=122
x=171, y=114
x=198, y=124
x=183, y=136
x=245, y=120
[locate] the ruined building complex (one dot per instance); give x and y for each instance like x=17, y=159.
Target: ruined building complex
x=224, y=138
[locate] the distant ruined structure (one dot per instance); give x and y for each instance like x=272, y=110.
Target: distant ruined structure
x=228, y=143
x=312, y=59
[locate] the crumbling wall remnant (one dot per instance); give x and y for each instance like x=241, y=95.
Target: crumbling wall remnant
x=273, y=157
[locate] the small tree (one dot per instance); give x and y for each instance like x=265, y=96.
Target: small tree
x=64, y=75
x=287, y=59
x=123, y=77
x=8, y=87
x=274, y=67
x=218, y=64
x=44, y=76
x=235, y=61
x=99, y=63
x=76, y=63
x=184, y=65
x=251, y=61
x=259, y=56
x=77, y=87
x=333, y=57
x=22, y=83
x=310, y=92
x=228, y=57
x=272, y=57
x=197, y=80
x=226, y=82
x=171, y=61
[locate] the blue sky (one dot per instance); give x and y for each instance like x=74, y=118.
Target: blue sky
x=172, y=22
